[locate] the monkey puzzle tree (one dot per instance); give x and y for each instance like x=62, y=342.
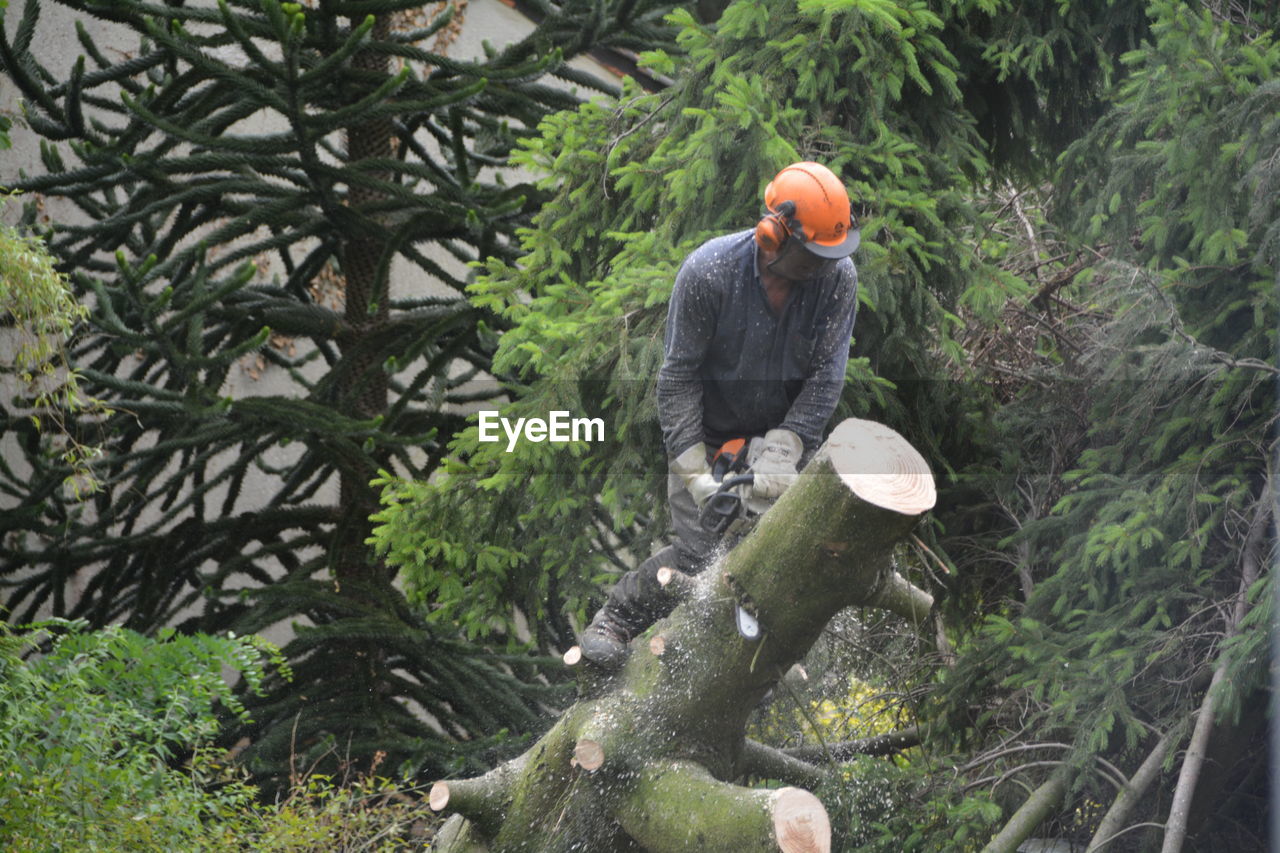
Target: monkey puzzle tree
x=291, y=190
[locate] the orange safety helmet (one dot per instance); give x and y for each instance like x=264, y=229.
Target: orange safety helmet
x=807, y=201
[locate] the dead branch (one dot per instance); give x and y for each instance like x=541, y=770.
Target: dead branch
x=885, y=744
x=1110, y=827
x=765, y=762
x=1034, y=810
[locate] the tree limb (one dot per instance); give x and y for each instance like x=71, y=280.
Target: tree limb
x=1037, y=807
x=729, y=818
x=1175, y=832
x=885, y=744
x=485, y=799
x=457, y=835
x=765, y=762
x=1113, y=821
x=899, y=596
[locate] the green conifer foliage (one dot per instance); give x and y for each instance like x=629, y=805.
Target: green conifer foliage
x=251, y=176
x=1037, y=72
x=1107, y=501
x=868, y=87
x=1153, y=592
x=634, y=186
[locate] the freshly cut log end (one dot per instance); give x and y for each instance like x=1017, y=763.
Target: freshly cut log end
x=438, y=799
x=588, y=755
x=573, y=656
x=881, y=467
x=800, y=823
x=674, y=581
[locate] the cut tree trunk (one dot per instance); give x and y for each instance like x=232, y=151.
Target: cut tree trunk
x=647, y=761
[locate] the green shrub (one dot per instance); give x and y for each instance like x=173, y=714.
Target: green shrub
x=94, y=730
x=321, y=814
x=106, y=743
x=41, y=314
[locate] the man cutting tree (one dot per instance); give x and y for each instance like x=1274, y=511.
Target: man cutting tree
x=757, y=340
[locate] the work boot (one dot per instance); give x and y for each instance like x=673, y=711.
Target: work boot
x=635, y=602
x=605, y=640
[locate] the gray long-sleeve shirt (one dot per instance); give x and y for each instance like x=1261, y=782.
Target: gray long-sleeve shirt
x=733, y=368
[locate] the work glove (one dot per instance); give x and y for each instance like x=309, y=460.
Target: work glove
x=775, y=467
x=693, y=468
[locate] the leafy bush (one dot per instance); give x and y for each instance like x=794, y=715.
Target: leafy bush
x=93, y=726
x=38, y=306
x=323, y=814
x=106, y=744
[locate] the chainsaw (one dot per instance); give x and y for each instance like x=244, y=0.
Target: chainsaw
x=725, y=511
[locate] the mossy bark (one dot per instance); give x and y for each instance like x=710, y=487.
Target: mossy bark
x=646, y=759
x=724, y=818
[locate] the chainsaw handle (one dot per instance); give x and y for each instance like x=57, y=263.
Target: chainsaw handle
x=724, y=505
x=736, y=480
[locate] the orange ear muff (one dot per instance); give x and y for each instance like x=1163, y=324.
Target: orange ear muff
x=771, y=233
x=772, y=230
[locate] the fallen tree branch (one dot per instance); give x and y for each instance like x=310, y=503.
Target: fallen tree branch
x=729, y=819
x=885, y=744
x=1037, y=807
x=1112, y=822
x=765, y=762
x=484, y=799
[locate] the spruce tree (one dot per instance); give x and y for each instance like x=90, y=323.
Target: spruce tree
x=1142, y=641
x=882, y=92
x=640, y=182
x=1099, y=407
x=251, y=180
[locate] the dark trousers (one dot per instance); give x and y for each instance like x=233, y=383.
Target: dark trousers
x=637, y=600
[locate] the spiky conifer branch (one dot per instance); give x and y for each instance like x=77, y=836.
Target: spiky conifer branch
x=218, y=249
